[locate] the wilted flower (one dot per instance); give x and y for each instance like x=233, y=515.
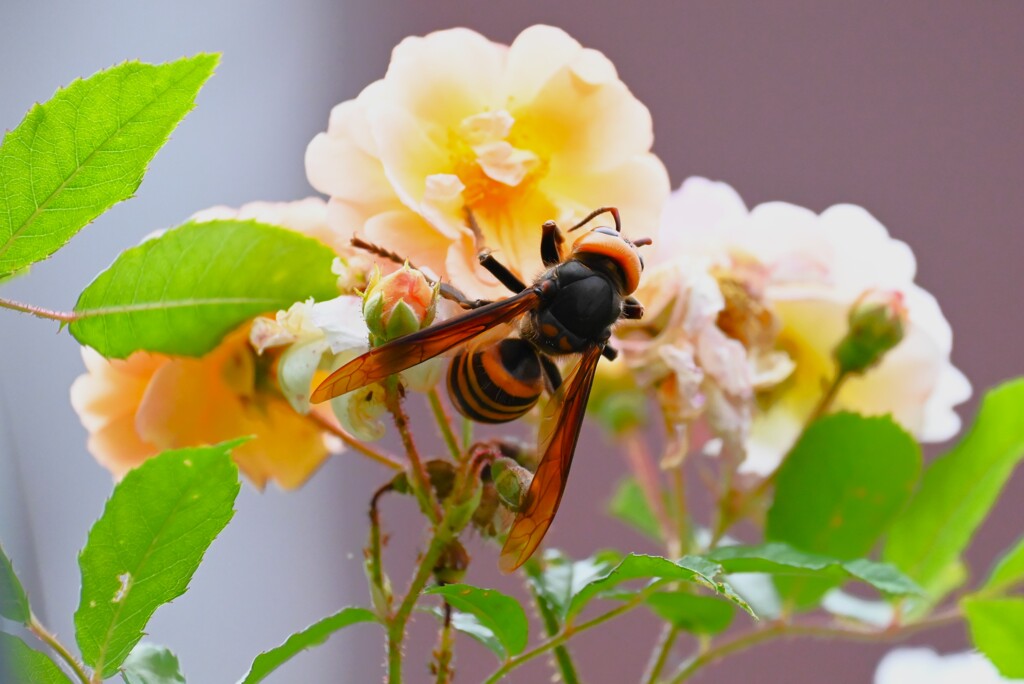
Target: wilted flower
x=137, y=407
x=697, y=371
x=313, y=339
x=805, y=272
x=516, y=135
x=925, y=666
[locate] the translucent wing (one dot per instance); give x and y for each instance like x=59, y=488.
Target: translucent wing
x=407, y=351
x=545, y=493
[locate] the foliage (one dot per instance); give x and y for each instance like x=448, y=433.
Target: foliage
x=181, y=292
x=86, y=149
x=311, y=636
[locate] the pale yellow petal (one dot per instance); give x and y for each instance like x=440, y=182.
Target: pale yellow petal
x=411, y=237
x=638, y=187
x=581, y=121
x=533, y=59
x=336, y=166
x=118, y=447
x=409, y=152
x=184, y=406
x=288, y=447
x=445, y=76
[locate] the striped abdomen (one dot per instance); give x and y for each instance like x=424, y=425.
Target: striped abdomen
x=495, y=383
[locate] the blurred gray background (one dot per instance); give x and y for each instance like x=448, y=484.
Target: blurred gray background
x=914, y=110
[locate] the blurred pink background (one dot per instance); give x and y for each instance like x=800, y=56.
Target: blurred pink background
x=914, y=110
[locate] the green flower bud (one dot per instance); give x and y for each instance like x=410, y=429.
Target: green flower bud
x=483, y=516
x=877, y=322
x=398, y=304
x=511, y=480
x=451, y=566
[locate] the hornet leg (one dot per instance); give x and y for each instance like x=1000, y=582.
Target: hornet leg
x=632, y=309
x=452, y=293
x=551, y=244
x=504, y=276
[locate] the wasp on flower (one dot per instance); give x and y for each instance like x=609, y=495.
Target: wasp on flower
x=569, y=309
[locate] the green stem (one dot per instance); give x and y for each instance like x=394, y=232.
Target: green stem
x=467, y=433
x=444, y=423
x=563, y=659
x=50, y=640
x=38, y=311
x=443, y=534
x=380, y=590
x=567, y=632
x=444, y=653
x=420, y=479
x=355, y=444
x=646, y=476
x=682, y=518
x=812, y=630
x=661, y=653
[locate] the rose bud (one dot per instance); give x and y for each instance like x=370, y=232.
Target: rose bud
x=398, y=304
x=451, y=565
x=511, y=480
x=877, y=321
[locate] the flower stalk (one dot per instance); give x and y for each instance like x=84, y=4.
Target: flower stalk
x=444, y=423
x=420, y=480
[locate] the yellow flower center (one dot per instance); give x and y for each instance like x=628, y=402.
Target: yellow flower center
x=496, y=170
x=811, y=372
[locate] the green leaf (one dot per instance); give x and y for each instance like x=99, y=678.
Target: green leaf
x=997, y=626
x=629, y=505
x=498, y=612
x=692, y=612
x=151, y=664
x=19, y=663
x=843, y=483
x=468, y=624
x=143, y=551
x=311, y=636
x=71, y=159
x=1008, y=571
x=13, y=601
x=557, y=579
x=959, y=489
x=180, y=293
x=783, y=560
x=636, y=566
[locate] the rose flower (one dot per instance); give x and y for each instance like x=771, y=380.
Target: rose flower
x=467, y=144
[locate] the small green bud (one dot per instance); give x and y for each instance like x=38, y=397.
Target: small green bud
x=442, y=477
x=451, y=566
x=440, y=472
x=511, y=481
x=483, y=516
x=877, y=322
x=398, y=304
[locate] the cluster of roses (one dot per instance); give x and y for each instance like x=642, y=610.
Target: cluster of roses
x=750, y=313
